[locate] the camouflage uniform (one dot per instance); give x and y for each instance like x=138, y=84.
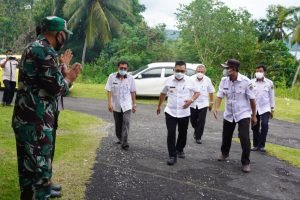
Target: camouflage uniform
x=40, y=83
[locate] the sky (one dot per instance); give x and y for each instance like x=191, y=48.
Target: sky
x=162, y=11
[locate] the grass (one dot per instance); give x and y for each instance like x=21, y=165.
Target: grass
x=286, y=109
x=287, y=154
x=78, y=138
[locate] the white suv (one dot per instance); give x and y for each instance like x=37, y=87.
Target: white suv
x=149, y=79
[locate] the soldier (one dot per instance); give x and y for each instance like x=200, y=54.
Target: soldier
x=201, y=104
x=239, y=107
x=265, y=104
x=40, y=83
x=181, y=93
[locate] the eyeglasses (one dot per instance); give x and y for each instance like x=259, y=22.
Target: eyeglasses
x=179, y=71
x=123, y=68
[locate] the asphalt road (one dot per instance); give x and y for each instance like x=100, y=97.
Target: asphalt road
x=142, y=173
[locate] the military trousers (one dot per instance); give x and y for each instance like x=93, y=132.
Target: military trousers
x=34, y=149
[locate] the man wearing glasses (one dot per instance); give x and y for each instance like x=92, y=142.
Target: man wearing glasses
x=181, y=93
x=121, y=96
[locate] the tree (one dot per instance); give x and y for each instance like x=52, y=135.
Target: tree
x=99, y=19
x=210, y=33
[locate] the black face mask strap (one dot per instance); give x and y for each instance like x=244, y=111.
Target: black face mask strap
x=59, y=45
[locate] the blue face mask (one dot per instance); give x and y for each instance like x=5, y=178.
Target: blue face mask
x=122, y=72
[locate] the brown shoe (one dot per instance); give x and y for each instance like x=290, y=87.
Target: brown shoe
x=246, y=168
x=222, y=158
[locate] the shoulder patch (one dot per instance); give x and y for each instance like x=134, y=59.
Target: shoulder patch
x=250, y=86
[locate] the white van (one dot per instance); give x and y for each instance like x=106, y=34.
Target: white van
x=149, y=79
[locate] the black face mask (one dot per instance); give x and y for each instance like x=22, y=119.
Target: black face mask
x=59, y=45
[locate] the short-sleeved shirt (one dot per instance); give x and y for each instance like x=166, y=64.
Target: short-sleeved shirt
x=238, y=94
x=178, y=92
x=121, y=91
x=205, y=87
x=9, y=70
x=264, y=95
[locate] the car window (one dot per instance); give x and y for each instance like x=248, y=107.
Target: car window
x=139, y=70
x=190, y=72
x=152, y=73
x=169, y=72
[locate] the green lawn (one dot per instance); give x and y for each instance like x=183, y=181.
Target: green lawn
x=78, y=138
x=286, y=109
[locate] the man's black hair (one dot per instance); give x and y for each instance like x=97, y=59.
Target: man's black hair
x=9, y=50
x=122, y=62
x=180, y=63
x=261, y=66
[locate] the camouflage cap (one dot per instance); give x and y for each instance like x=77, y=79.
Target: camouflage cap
x=54, y=23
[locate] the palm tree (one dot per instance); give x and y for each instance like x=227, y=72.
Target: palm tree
x=296, y=40
x=99, y=18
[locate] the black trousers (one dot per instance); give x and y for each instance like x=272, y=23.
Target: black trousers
x=9, y=91
x=198, y=117
x=243, y=128
x=172, y=123
x=260, y=134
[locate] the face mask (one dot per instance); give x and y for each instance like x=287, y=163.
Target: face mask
x=225, y=72
x=259, y=75
x=122, y=72
x=59, y=44
x=200, y=75
x=179, y=75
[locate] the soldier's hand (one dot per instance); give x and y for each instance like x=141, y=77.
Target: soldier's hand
x=73, y=72
x=66, y=57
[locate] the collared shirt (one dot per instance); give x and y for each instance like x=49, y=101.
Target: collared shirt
x=238, y=94
x=205, y=87
x=9, y=70
x=264, y=95
x=121, y=91
x=178, y=92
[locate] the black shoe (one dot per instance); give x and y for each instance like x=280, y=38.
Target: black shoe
x=125, y=146
x=119, y=142
x=180, y=154
x=55, y=194
x=171, y=161
x=55, y=187
x=198, y=141
x=222, y=158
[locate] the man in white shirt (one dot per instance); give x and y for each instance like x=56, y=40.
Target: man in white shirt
x=121, y=95
x=9, y=66
x=265, y=105
x=181, y=93
x=200, y=105
x=239, y=108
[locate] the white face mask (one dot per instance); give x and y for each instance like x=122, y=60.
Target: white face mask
x=225, y=72
x=259, y=75
x=122, y=72
x=200, y=75
x=179, y=75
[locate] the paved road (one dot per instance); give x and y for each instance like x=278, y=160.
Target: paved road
x=142, y=173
